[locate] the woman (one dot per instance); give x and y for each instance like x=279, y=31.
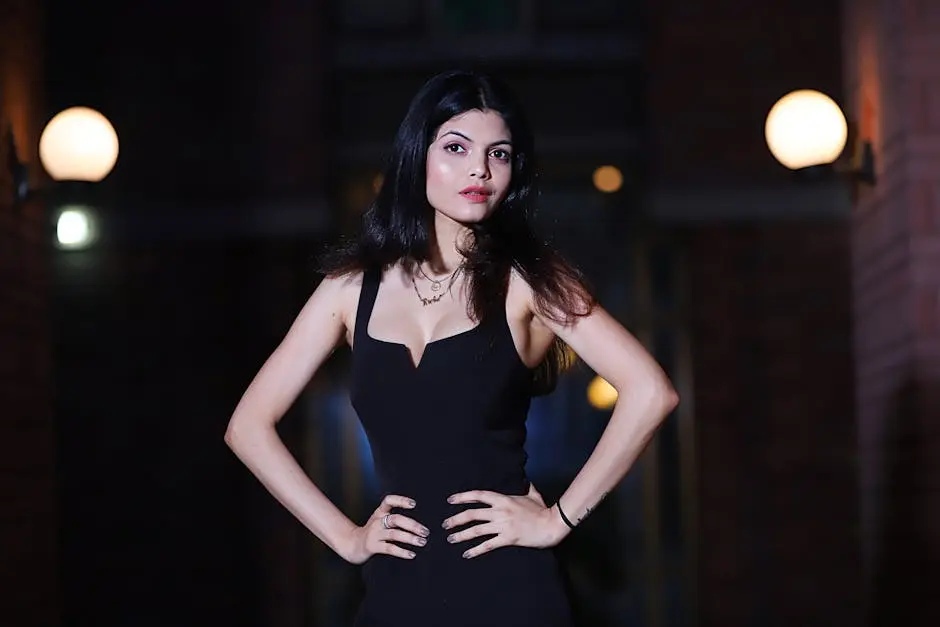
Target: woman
x=456, y=315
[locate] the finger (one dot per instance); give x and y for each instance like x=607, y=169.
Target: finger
x=477, y=514
x=394, y=500
x=476, y=531
x=476, y=496
x=399, y=535
x=408, y=524
x=485, y=547
x=394, y=550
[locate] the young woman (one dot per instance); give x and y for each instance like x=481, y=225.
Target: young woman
x=457, y=315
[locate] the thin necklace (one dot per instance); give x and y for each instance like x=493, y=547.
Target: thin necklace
x=436, y=286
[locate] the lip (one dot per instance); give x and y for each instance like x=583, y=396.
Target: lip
x=476, y=190
x=476, y=195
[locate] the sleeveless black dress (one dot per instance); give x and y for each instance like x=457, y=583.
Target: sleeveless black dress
x=455, y=422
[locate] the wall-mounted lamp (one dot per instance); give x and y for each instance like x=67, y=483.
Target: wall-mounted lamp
x=807, y=129
x=78, y=144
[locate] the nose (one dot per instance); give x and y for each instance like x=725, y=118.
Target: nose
x=479, y=168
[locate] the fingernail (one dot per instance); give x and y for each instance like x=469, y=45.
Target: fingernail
x=422, y=541
x=445, y=524
x=411, y=503
x=466, y=554
x=450, y=539
x=411, y=554
x=425, y=532
x=450, y=499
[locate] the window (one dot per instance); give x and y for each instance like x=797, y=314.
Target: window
x=587, y=14
x=385, y=16
x=492, y=16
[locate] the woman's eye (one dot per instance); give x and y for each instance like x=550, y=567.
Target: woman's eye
x=453, y=148
x=500, y=154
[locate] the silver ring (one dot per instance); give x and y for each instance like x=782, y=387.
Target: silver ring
x=385, y=521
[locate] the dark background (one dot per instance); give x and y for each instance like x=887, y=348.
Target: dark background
x=798, y=316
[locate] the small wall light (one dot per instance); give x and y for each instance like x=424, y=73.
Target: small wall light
x=806, y=129
x=78, y=144
x=608, y=179
x=75, y=228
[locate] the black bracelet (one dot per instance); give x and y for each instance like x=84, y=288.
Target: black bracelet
x=562, y=514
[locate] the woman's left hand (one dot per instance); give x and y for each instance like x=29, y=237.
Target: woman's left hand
x=512, y=520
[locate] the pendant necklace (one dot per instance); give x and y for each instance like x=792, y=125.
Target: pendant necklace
x=437, y=286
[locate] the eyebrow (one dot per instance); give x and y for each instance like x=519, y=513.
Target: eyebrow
x=501, y=142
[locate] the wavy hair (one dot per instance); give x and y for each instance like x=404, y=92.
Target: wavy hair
x=398, y=226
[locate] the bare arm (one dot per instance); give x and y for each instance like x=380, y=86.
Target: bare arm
x=645, y=398
x=251, y=434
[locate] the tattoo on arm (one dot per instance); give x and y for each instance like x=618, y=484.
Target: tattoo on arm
x=591, y=509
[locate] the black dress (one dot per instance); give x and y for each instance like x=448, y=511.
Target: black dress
x=454, y=422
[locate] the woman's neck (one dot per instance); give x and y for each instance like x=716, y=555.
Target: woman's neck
x=447, y=238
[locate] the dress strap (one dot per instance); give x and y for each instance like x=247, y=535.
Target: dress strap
x=370, y=289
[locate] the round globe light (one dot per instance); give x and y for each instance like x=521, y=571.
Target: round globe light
x=78, y=144
x=806, y=128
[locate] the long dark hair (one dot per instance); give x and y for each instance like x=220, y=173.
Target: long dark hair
x=398, y=226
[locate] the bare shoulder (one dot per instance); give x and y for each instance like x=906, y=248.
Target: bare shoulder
x=342, y=288
x=531, y=336
x=341, y=295
x=570, y=299
x=520, y=297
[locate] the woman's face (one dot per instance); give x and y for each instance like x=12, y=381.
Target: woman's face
x=469, y=166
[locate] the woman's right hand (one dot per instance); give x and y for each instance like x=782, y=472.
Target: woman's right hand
x=384, y=527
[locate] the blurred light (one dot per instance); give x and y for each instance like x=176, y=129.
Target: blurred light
x=601, y=394
x=377, y=183
x=608, y=179
x=75, y=228
x=806, y=128
x=78, y=144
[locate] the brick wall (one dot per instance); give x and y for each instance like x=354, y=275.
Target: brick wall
x=28, y=586
x=159, y=332
x=771, y=331
x=770, y=307
x=718, y=67
x=161, y=523
x=893, y=80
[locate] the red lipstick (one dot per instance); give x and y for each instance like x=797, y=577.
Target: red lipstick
x=476, y=193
